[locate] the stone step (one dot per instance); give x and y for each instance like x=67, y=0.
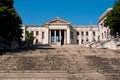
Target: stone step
x=86, y=76
x=111, y=71
x=112, y=77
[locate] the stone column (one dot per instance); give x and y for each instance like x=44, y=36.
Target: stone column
x=68, y=36
x=60, y=35
x=54, y=36
x=65, y=37
x=46, y=37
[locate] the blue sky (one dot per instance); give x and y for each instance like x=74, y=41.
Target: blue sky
x=78, y=12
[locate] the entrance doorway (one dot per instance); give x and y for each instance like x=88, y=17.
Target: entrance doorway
x=62, y=37
x=57, y=36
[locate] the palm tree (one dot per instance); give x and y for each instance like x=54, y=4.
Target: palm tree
x=29, y=38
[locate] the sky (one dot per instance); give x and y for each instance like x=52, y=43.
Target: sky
x=77, y=12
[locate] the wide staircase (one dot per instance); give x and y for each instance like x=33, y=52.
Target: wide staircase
x=65, y=63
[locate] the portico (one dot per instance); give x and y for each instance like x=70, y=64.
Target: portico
x=57, y=36
x=59, y=31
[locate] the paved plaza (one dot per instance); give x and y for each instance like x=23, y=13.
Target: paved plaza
x=69, y=62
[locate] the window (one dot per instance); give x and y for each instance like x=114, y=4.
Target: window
x=37, y=41
x=105, y=33
x=82, y=41
x=37, y=33
x=87, y=40
x=82, y=33
x=102, y=36
x=43, y=35
x=86, y=33
x=77, y=33
x=71, y=35
x=93, y=33
x=77, y=41
x=32, y=32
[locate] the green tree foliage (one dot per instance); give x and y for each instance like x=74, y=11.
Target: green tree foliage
x=113, y=19
x=9, y=21
x=29, y=38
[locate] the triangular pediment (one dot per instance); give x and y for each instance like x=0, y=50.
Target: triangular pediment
x=57, y=21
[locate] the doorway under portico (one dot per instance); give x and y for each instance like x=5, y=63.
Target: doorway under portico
x=56, y=36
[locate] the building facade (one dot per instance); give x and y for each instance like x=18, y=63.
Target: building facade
x=59, y=30
x=104, y=31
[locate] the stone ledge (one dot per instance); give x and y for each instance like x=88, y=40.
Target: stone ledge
x=34, y=78
x=34, y=75
x=33, y=71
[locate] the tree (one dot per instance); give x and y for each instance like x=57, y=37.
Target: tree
x=9, y=21
x=29, y=38
x=113, y=19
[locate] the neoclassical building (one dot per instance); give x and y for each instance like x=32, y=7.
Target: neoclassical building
x=59, y=30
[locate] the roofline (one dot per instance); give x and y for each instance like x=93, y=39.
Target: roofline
x=104, y=14
x=74, y=26
x=85, y=25
x=57, y=18
x=30, y=25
